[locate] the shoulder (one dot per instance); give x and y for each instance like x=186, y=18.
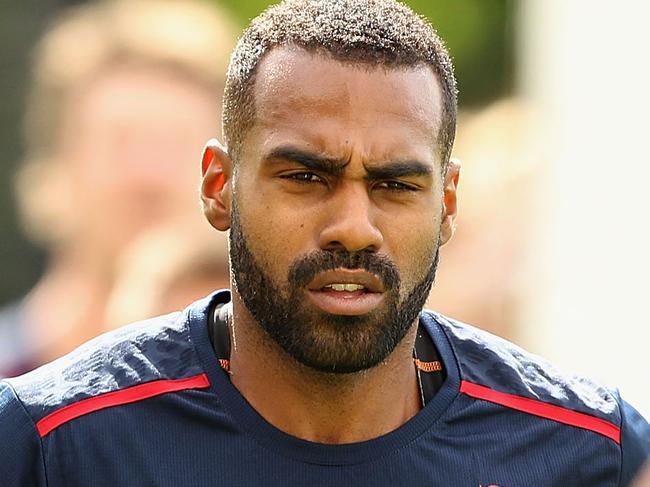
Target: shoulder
x=151, y=351
x=498, y=381
x=494, y=363
x=496, y=371
x=20, y=447
x=635, y=442
x=33, y=404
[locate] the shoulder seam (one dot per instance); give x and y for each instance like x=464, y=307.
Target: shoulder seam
x=445, y=333
x=31, y=419
x=543, y=409
x=119, y=397
x=615, y=395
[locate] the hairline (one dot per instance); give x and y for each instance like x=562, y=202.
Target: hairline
x=348, y=61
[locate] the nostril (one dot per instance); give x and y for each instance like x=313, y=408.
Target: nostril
x=334, y=245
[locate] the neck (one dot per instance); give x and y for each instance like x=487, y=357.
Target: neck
x=317, y=406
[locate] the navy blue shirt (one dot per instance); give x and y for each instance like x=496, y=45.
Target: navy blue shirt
x=149, y=404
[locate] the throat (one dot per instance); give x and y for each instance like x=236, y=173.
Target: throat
x=319, y=406
x=334, y=408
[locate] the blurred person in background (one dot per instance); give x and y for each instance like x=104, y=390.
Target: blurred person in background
x=488, y=235
x=481, y=277
x=122, y=95
x=166, y=268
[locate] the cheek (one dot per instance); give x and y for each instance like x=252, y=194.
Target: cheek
x=418, y=244
x=275, y=235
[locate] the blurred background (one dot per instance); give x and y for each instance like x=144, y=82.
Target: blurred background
x=552, y=242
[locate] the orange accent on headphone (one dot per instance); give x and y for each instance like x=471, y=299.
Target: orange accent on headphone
x=428, y=366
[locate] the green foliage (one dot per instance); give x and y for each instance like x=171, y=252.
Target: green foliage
x=478, y=34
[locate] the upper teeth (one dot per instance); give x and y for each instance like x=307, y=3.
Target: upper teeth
x=346, y=287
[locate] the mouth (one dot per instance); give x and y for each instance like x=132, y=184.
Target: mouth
x=346, y=292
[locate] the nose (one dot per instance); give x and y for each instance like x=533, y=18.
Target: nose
x=350, y=221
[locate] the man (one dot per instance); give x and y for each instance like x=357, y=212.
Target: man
x=319, y=367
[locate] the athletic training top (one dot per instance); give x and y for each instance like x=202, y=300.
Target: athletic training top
x=149, y=405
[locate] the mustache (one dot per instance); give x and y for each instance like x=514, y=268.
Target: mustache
x=305, y=268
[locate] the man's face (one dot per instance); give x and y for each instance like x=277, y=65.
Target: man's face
x=337, y=207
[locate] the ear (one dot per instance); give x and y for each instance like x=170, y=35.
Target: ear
x=216, y=185
x=449, y=203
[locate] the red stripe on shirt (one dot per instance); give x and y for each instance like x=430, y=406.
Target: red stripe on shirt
x=543, y=410
x=115, y=398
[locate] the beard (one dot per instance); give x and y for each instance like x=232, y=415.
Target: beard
x=322, y=341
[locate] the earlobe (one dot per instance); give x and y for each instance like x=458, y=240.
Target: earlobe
x=450, y=203
x=216, y=191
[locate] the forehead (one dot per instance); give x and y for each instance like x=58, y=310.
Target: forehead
x=312, y=96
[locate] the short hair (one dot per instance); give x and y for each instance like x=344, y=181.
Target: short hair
x=368, y=32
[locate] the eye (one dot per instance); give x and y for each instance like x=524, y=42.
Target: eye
x=395, y=186
x=303, y=177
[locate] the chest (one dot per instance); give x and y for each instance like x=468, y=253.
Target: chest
x=173, y=442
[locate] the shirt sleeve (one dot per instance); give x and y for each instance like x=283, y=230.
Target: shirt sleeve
x=20, y=445
x=635, y=443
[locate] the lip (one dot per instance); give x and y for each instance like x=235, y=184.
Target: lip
x=347, y=303
x=371, y=282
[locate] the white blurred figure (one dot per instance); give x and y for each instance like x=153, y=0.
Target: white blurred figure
x=583, y=71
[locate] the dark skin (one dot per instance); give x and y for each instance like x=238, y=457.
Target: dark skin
x=340, y=157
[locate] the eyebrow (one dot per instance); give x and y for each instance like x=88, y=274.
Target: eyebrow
x=312, y=161
x=329, y=165
x=399, y=169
